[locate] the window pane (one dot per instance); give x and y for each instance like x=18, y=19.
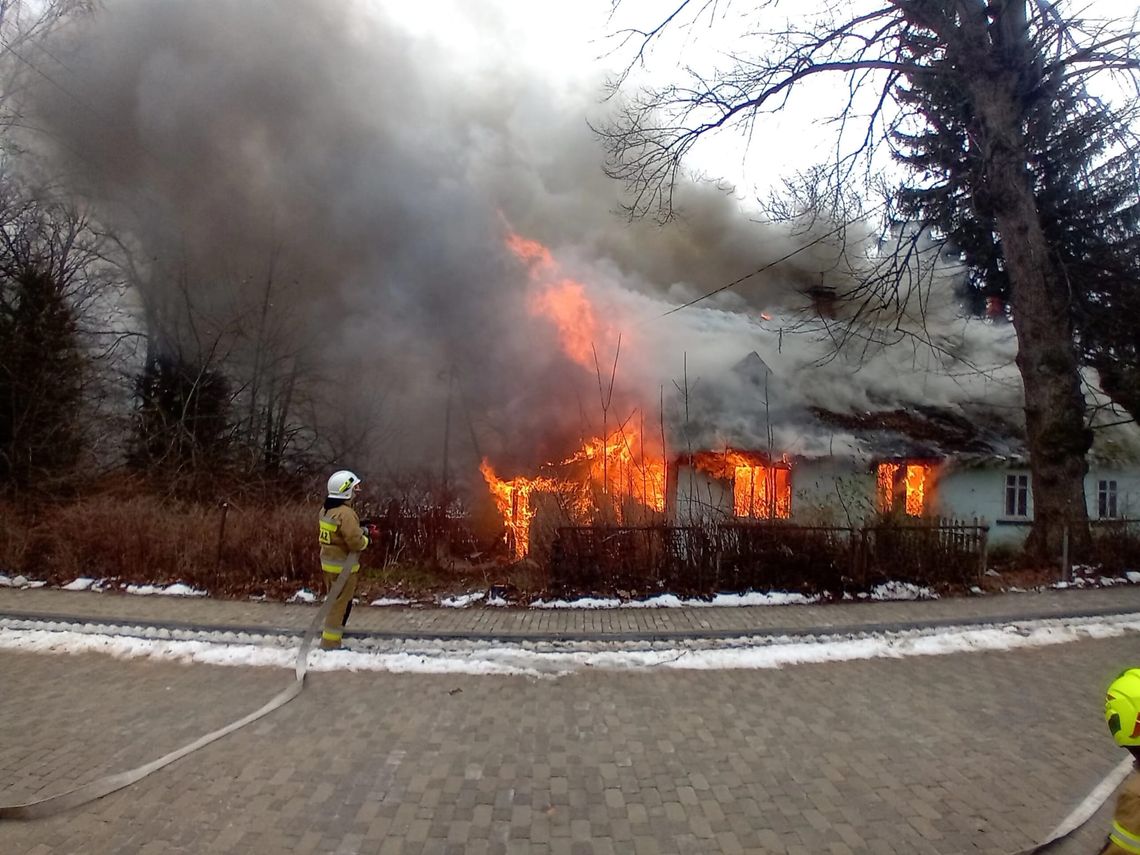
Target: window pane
x=1016, y=495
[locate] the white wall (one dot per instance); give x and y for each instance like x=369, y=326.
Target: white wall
x=702, y=498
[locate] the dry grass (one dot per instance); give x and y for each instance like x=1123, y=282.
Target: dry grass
x=143, y=540
x=267, y=549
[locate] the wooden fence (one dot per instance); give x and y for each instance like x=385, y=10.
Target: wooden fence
x=766, y=555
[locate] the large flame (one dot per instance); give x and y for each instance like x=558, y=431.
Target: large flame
x=616, y=477
x=564, y=302
x=905, y=481
x=761, y=489
x=512, y=498
x=606, y=480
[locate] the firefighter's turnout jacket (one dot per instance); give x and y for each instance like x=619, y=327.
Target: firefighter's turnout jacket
x=1125, y=836
x=340, y=534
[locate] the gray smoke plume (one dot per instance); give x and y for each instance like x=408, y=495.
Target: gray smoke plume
x=322, y=147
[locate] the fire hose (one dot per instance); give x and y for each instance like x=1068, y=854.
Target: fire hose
x=1083, y=812
x=111, y=783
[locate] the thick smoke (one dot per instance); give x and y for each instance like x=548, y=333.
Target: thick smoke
x=326, y=147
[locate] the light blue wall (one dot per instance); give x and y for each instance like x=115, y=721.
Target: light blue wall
x=836, y=491
x=966, y=493
x=832, y=491
x=980, y=493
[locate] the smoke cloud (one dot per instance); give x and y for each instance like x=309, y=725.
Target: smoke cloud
x=331, y=151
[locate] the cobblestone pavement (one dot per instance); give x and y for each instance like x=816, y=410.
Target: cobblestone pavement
x=978, y=753
x=504, y=622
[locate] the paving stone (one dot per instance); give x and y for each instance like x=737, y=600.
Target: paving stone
x=505, y=622
x=871, y=757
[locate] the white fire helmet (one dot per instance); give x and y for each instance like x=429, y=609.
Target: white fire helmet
x=343, y=484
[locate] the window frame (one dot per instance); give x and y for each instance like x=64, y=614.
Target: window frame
x=1107, y=499
x=1015, y=496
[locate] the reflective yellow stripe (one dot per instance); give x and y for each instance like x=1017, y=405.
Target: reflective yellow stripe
x=332, y=635
x=328, y=526
x=1125, y=839
x=335, y=568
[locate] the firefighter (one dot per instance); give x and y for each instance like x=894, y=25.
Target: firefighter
x=341, y=533
x=1122, y=711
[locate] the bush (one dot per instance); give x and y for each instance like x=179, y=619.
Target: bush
x=266, y=548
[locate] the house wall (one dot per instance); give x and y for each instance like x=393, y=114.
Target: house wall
x=702, y=498
x=824, y=492
x=969, y=493
x=966, y=493
x=832, y=491
x=835, y=491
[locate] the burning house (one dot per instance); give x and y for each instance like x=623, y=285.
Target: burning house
x=828, y=437
x=924, y=462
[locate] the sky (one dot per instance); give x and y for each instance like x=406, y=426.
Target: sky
x=572, y=46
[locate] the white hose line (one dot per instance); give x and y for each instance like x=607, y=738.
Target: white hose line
x=1083, y=812
x=110, y=783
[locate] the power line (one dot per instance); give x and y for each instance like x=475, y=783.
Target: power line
x=841, y=227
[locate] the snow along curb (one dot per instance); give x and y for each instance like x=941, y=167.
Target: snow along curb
x=551, y=659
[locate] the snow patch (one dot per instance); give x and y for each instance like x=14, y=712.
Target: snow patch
x=83, y=583
x=756, y=598
x=461, y=601
x=902, y=591
x=303, y=596
x=553, y=660
x=391, y=601
x=178, y=589
x=671, y=601
x=19, y=582
x=581, y=603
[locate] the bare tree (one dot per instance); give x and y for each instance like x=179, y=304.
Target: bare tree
x=1003, y=59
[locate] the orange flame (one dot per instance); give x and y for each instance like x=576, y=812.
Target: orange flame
x=916, y=489
x=512, y=498
x=608, y=477
x=594, y=484
x=531, y=251
x=905, y=482
x=566, y=305
x=760, y=489
x=562, y=301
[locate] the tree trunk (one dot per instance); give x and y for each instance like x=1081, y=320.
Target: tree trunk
x=998, y=67
x=1054, y=404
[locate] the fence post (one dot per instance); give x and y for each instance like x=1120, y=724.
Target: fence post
x=985, y=537
x=221, y=541
x=1066, y=569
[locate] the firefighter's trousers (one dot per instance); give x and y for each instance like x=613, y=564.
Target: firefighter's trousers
x=333, y=630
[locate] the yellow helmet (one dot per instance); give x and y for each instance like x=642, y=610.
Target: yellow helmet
x=1122, y=708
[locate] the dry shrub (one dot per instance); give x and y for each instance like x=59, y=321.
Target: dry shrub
x=146, y=541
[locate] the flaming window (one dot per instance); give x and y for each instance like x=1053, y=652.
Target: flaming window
x=762, y=492
x=905, y=487
x=761, y=489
